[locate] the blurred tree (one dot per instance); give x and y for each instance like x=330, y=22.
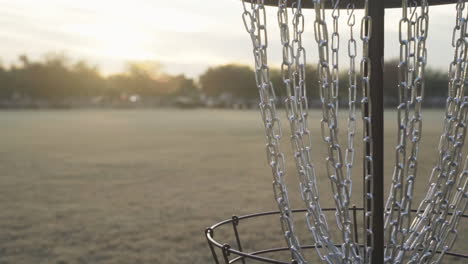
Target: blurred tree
x=185, y=86
x=435, y=85
x=236, y=80
x=239, y=81
x=85, y=80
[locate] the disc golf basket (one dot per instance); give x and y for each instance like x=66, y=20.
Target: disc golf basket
x=393, y=232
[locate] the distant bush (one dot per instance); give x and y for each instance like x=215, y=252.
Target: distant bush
x=239, y=81
x=55, y=78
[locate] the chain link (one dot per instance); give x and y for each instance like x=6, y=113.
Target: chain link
x=293, y=75
x=459, y=204
x=366, y=109
x=352, y=94
x=432, y=228
x=352, y=97
x=254, y=18
x=411, y=80
x=335, y=47
x=328, y=87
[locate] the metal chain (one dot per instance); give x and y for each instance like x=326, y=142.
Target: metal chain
x=417, y=69
x=393, y=206
x=346, y=181
x=446, y=227
x=352, y=94
x=329, y=127
x=436, y=230
x=254, y=18
x=416, y=76
x=413, y=57
x=366, y=108
x=293, y=75
x=431, y=230
x=352, y=79
x=459, y=205
x=435, y=225
x=393, y=202
x=335, y=48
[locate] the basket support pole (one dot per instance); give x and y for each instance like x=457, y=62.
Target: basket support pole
x=376, y=53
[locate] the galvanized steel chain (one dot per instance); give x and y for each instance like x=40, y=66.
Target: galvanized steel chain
x=458, y=205
x=254, y=18
x=431, y=230
x=352, y=80
x=444, y=233
x=352, y=94
x=366, y=108
x=329, y=127
x=293, y=75
x=335, y=48
x=435, y=225
x=413, y=57
x=417, y=69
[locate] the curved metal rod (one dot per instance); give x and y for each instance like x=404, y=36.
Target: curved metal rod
x=271, y=250
x=358, y=3
x=255, y=255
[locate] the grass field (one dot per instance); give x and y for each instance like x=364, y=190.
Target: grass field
x=141, y=186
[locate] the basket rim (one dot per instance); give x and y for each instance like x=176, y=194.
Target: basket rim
x=227, y=250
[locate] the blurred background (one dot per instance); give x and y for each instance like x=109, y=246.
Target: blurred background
x=128, y=127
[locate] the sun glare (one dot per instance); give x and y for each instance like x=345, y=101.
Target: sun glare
x=115, y=39
x=128, y=34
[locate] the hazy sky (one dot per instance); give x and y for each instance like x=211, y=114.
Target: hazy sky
x=186, y=36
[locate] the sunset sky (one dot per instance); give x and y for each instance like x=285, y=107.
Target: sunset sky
x=186, y=36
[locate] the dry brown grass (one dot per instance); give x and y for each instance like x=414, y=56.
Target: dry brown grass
x=141, y=186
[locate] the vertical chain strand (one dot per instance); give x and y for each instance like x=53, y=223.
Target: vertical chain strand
x=418, y=53
x=352, y=94
x=366, y=108
x=293, y=75
x=254, y=18
x=411, y=79
x=432, y=229
x=329, y=126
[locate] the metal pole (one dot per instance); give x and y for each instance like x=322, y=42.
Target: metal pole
x=376, y=54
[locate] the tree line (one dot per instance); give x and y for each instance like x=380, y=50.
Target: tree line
x=57, y=81
x=239, y=80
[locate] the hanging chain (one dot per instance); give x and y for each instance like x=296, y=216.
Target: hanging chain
x=293, y=75
x=459, y=204
x=352, y=94
x=329, y=127
x=254, y=18
x=432, y=229
x=335, y=47
x=419, y=28
x=366, y=108
x=411, y=80
x=393, y=206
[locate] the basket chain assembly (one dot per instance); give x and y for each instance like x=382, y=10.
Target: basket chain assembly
x=433, y=231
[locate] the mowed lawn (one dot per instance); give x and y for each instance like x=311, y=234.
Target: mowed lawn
x=122, y=186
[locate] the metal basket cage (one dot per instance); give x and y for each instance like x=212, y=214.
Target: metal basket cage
x=227, y=254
